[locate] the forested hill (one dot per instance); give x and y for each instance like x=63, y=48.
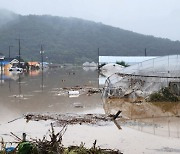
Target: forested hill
x=72, y=40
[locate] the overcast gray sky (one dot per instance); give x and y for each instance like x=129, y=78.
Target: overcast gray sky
x=160, y=18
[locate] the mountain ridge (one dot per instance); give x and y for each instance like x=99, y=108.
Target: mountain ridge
x=74, y=40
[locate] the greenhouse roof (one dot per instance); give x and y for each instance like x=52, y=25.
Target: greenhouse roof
x=127, y=59
x=168, y=66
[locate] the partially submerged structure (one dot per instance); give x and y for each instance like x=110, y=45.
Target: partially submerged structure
x=142, y=79
x=88, y=64
x=7, y=63
x=33, y=65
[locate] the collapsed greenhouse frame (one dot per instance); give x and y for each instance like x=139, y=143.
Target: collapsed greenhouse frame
x=142, y=79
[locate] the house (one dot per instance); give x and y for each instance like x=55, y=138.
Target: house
x=9, y=62
x=33, y=65
x=15, y=62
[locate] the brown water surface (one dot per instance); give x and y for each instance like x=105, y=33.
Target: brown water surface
x=143, y=128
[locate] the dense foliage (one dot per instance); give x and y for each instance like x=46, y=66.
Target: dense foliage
x=72, y=40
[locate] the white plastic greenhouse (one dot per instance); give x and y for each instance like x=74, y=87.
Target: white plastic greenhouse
x=167, y=66
x=144, y=78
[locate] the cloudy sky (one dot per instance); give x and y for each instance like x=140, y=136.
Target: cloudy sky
x=160, y=18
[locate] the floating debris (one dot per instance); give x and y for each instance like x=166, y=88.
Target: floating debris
x=71, y=119
x=93, y=91
x=75, y=91
x=78, y=105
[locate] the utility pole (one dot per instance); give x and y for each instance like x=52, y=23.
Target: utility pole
x=98, y=58
x=1, y=71
x=42, y=52
x=19, y=52
x=1, y=60
x=145, y=52
x=19, y=41
x=10, y=50
x=42, y=67
x=98, y=68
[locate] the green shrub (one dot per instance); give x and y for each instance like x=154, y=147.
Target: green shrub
x=164, y=95
x=101, y=65
x=122, y=63
x=27, y=148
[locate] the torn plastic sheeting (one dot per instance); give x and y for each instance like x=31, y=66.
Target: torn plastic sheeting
x=73, y=92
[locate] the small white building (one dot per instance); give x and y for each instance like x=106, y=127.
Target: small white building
x=130, y=60
x=87, y=64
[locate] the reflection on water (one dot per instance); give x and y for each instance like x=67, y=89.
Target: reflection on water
x=34, y=92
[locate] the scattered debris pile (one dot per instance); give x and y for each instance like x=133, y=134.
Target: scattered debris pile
x=53, y=146
x=71, y=119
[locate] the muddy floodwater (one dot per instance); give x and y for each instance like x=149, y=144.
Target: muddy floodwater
x=141, y=128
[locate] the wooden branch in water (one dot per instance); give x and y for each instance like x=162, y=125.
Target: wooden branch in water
x=15, y=136
x=15, y=119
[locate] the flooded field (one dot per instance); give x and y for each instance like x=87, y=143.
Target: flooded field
x=142, y=127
